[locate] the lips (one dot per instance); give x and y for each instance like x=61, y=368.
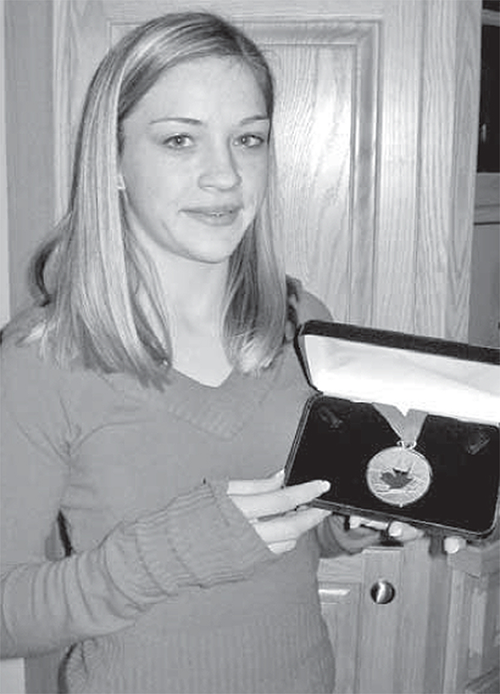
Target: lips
x=215, y=215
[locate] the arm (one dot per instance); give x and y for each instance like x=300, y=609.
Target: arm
x=201, y=538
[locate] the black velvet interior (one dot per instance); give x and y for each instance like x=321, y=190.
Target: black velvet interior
x=337, y=438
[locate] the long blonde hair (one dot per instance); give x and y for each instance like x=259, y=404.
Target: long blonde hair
x=90, y=273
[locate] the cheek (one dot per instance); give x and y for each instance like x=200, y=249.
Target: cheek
x=255, y=177
x=148, y=174
x=156, y=188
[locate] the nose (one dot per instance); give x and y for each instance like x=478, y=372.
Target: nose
x=220, y=169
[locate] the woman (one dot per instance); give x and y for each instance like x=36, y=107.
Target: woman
x=151, y=400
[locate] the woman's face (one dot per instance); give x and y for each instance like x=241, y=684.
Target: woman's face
x=195, y=160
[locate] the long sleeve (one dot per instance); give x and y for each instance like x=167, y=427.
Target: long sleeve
x=200, y=538
x=169, y=587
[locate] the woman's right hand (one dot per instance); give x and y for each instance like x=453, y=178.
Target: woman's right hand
x=280, y=515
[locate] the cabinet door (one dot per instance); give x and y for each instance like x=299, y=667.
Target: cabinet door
x=340, y=592
x=472, y=662
x=375, y=142
x=376, y=605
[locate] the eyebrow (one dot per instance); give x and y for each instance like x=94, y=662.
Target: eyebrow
x=195, y=121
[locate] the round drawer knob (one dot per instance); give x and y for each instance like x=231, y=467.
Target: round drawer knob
x=382, y=592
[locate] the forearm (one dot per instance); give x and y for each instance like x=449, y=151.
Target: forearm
x=199, y=539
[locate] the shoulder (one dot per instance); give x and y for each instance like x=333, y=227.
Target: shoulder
x=19, y=353
x=21, y=325
x=30, y=382
x=39, y=392
x=21, y=343
x=32, y=411
x=35, y=390
x=308, y=305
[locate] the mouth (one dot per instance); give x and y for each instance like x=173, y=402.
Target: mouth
x=220, y=215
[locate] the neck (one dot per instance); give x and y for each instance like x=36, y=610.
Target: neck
x=194, y=298
x=193, y=292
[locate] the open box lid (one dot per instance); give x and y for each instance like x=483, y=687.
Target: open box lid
x=437, y=376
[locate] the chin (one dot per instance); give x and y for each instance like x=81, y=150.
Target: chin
x=218, y=252
x=214, y=258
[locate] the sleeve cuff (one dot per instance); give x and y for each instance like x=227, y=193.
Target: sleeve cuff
x=200, y=538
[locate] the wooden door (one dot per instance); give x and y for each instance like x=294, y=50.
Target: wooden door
x=376, y=136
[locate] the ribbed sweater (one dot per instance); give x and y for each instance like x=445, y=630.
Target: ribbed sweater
x=169, y=588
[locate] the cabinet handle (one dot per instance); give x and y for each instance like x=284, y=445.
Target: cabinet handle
x=382, y=592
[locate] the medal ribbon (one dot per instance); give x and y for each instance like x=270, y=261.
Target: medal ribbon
x=407, y=427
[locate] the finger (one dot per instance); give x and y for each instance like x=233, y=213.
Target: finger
x=279, y=501
x=453, y=544
x=260, y=486
x=282, y=547
x=290, y=527
x=395, y=530
x=358, y=521
x=279, y=475
x=354, y=522
x=403, y=531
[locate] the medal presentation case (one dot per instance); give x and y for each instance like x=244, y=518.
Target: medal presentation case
x=404, y=427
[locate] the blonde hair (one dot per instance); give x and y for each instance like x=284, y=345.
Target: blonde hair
x=90, y=273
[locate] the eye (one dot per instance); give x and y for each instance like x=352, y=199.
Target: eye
x=251, y=140
x=181, y=141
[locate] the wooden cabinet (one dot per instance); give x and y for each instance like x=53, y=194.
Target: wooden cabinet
x=412, y=620
x=473, y=629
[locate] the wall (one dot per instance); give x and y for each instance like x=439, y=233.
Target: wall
x=12, y=671
x=4, y=233
x=29, y=123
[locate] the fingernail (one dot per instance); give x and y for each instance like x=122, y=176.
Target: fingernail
x=452, y=545
x=325, y=486
x=395, y=530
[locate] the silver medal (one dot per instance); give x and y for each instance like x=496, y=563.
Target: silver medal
x=399, y=475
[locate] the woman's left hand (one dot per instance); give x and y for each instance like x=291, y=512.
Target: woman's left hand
x=404, y=532
x=396, y=530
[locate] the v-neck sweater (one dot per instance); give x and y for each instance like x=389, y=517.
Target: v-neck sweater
x=169, y=588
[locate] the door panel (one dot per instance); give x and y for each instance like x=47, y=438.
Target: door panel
x=327, y=87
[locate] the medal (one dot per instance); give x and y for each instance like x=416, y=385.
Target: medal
x=400, y=475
